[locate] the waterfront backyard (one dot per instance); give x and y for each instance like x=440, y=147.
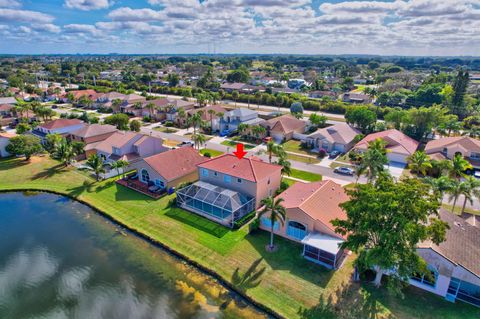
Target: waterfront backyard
x=282, y=281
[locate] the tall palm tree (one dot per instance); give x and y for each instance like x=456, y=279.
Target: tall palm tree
x=116, y=105
x=151, y=108
x=181, y=115
x=235, y=96
x=419, y=162
x=470, y=190
x=286, y=165
x=258, y=130
x=196, y=120
x=373, y=160
x=120, y=164
x=459, y=166
x=440, y=185
x=242, y=128
x=211, y=113
x=95, y=163
x=457, y=189
x=199, y=139
x=277, y=214
x=274, y=149
x=64, y=152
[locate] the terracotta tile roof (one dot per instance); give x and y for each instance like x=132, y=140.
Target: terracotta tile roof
x=462, y=244
x=117, y=139
x=396, y=141
x=7, y=135
x=232, y=86
x=175, y=163
x=205, y=115
x=465, y=142
x=285, y=124
x=341, y=133
x=59, y=123
x=250, y=168
x=319, y=200
x=6, y=107
x=94, y=130
x=91, y=94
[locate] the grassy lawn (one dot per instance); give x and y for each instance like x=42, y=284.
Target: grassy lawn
x=306, y=176
x=303, y=159
x=283, y=280
x=214, y=153
x=335, y=165
x=289, y=181
x=165, y=129
x=207, y=137
x=458, y=209
x=296, y=147
x=234, y=144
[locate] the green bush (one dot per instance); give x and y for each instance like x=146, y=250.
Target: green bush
x=207, y=154
x=168, y=124
x=254, y=225
x=245, y=219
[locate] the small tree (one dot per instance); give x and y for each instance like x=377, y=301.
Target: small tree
x=26, y=145
x=385, y=222
x=22, y=128
x=296, y=108
x=52, y=141
x=419, y=162
x=277, y=213
x=199, y=139
x=64, y=152
x=318, y=120
x=373, y=160
x=458, y=167
x=96, y=164
x=120, y=164
x=119, y=120
x=274, y=149
x=135, y=126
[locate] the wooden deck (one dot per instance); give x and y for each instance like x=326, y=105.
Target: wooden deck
x=140, y=187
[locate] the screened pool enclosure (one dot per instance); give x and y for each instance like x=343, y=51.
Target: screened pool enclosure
x=216, y=203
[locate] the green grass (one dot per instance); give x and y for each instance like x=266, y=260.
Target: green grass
x=234, y=144
x=289, y=181
x=285, y=281
x=458, y=209
x=165, y=129
x=214, y=153
x=306, y=176
x=296, y=147
x=303, y=159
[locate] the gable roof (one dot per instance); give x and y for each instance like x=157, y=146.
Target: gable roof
x=462, y=244
x=232, y=86
x=396, y=141
x=60, y=123
x=91, y=94
x=465, y=142
x=284, y=124
x=117, y=139
x=248, y=168
x=175, y=163
x=319, y=200
x=94, y=130
x=241, y=112
x=205, y=115
x=341, y=133
x=8, y=100
x=6, y=107
x=113, y=96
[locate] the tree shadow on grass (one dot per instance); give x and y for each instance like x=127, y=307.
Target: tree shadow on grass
x=49, y=172
x=123, y=193
x=12, y=163
x=198, y=222
x=87, y=186
x=288, y=256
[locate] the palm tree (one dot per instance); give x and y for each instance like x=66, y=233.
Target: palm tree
x=235, y=96
x=440, y=185
x=199, y=139
x=212, y=113
x=258, y=130
x=419, y=162
x=116, y=105
x=196, y=120
x=242, y=128
x=95, y=163
x=151, y=108
x=181, y=115
x=373, y=160
x=120, y=164
x=458, y=166
x=277, y=213
x=64, y=152
x=286, y=165
x=457, y=188
x=470, y=190
x=274, y=149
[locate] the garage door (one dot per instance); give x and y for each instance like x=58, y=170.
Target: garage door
x=397, y=158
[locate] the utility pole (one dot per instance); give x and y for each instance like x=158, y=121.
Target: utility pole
x=94, y=81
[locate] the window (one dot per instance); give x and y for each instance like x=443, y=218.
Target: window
x=239, y=180
x=296, y=230
x=116, y=151
x=475, y=155
x=215, y=173
x=159, y=183
x=267, y=223
x=227, y=178
x=204, y=172
x=145, y=176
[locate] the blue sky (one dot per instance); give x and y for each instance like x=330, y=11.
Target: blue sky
x=400, y=27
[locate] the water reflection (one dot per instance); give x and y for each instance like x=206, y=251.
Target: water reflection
x=60, y=260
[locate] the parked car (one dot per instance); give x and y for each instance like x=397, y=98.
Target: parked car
x=344, y=170
x=334, y=154
x=186, y=143
x=476, y=174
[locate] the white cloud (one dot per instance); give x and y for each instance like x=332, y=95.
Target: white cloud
x=88, y=5
x=46, y=28
x=128, y=14
x=80, y=28
x=12, y=15
x=10, y=4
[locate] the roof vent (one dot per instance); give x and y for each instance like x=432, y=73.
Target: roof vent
x=457, y=224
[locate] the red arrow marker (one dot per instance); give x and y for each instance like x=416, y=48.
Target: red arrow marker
x=240, y=153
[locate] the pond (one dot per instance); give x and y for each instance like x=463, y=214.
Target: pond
x=60, y=259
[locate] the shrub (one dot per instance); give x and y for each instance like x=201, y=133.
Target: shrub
x=254, y=225
x=207, y=154
x=245, y=219
x=168, y=124
x=322, y=153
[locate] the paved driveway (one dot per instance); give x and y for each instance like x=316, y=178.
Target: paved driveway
x=396, y=169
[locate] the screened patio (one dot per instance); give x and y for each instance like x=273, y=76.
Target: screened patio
x=216, y=203
x=323, y=249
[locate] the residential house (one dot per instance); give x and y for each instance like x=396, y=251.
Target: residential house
x=8, y=100
x=175, y=105
x=61, y=126
x=296, y=84
x=171, y=168
x=454, y=264
x=229, y=188
x=6, y=110
x=310, y=209
x=4, y=141
x=105, y=100
x=356, y=98
x=284, y=128
x=130, y=101
x=128, y=146
x=230, y=87
x=339, y=137
x=284, y=90
x=231, y=120
x=91, y=135
x=399, y=146
x=448, y=147
x=78, y=94
x=214, y=119
x=321, y=94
